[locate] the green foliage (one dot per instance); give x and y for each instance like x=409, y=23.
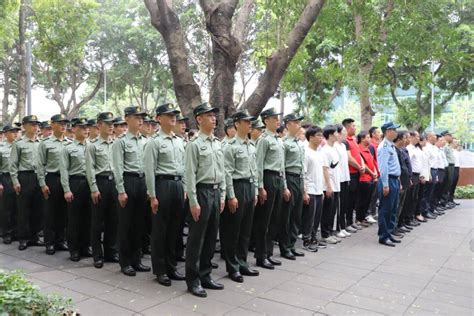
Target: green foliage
x=20, y=297
x=465, y=192
x=8, y=24
x=458, y=119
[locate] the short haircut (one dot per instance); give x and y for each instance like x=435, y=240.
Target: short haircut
x=339, y=127
x=306, y=125
x=361, y=136
x=280, y=129
x=413, y=133
x=312, y=130
x=347, y=121
x=400, y=135
x=328, y=130
x=372, y=130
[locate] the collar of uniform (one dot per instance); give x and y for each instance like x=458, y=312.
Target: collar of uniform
x=164, y=135
x=130, y=135
x=267, y=132
x=54, y=138
x=26, y=138
x=103, y=140
x=78, y=142
x=388, y=141
x=241, y=140
x=291, y=138
x=205, y=137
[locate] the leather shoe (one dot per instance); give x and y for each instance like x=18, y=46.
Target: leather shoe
x=7, y=239
x=387, y=242
x=62, y=246
x=414, y=223
x=128, y=270
x=112, y=258
x=422, y=220
x=395, y=240
x=50, y=250
x=248, y=272
x=23, y=245
x=236, y=277
x=402, y=229
x=141, y=268
x=75, y=256
x=274, y=261
x=297, y=253
x=429, y=216
x=264, y=263
x=287, y=255
x=214, y=265
x=212, y=285
x=175, y=275
x=98, y=263
x=180, y=258
x=410, y=228
x=198, y=291
x=398, y=234
x=164, y=280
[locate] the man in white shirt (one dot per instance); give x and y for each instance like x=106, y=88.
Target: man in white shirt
x=332, y=184
x=343, y=224
x=457, y=164
x=416, y=158
x=431, y=153
x=314, y=185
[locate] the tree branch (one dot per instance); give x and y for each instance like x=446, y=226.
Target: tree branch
x=393, y=86
x=241, y=24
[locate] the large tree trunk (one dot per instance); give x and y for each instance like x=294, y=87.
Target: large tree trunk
x=6, y=90
x=279, y=61
x=21, y=83
x=366, y=112
x=166, y=21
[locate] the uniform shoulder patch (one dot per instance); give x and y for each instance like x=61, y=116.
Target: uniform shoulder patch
x=232, y=141
x=193, y=138
x=67, y=143
x=93, y=140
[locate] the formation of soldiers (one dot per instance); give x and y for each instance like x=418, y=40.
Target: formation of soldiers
x=115, y=188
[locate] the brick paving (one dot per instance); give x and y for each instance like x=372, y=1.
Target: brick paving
x=431, y=272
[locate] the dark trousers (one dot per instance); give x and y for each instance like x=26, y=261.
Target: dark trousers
x=236, y=227
x=79, y=215
x=9, y=208
x=411, y=200
x=388, y=207
x=131, y=220
x=419, y=199
x=329, y=212
x=352, y=200
x=438, y=189
x=104, y=217
x=146, y=236
x=373, y=201
x=401, y=203
x=363, y=201
x=202, y=235
x=55, y=211
x=291, y=214
x=165, y=225
x=428, y=192
x=267, y=216
x=447, y=184
x=343, y=206
x=454, y=184
x=180, y=238
x=30, y=207
x=312, y=217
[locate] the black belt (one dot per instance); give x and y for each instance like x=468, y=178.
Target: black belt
x=6, y=174
x=416, y=173
x=450, y=164
x=213, y=186
x=434, y=169
x=56, y=174
x=105, y=175
x=298, y=175
x=276, y=173
x=168, y=177
x=26, y=172
x=77, y=177
x=134, y=174
x=393, y=177
x=245, y=180
x=441, y=169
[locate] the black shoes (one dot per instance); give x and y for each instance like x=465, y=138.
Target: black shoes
x=50, y=250
x=395, y=240
x=75, y=257
x=287, y=255
x=164, y=280
x=212, y=285
x=297, y=253
x=274, y=261
x=175, y=275
x=398, y=234
x=198, y=291
x=248, y=272
x=430, y=216
x=7, y=239
x=264, y=263
x=236, y=277
x=99, y=263
x=141, y=268
x=23, y=245
x=387, y=242
x=129, y=271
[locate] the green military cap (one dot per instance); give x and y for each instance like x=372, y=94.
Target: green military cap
x=229, y=123
x=45, y=124
x=181, y=118
x=204, y=108
x=268, y=113
x=18, y=124
x=257, y=124
x=242, y=115
x=105, y=117
x=59, y=118
x=91, y=122
x=134, y=110
x=9, y=128
x=146, y=118
x=30, y=119
x=118, y=120
x=79, y=121
x=167, y=108
x=293, y=117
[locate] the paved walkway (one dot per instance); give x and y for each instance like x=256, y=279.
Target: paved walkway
x=431, y=272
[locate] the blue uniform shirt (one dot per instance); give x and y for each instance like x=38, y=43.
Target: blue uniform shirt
x=388, y=161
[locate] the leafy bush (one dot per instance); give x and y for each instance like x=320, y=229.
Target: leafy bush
x=465, y=192
x=19, y=297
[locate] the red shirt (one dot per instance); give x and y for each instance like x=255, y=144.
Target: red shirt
x=355, y=152
x=370, y=163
